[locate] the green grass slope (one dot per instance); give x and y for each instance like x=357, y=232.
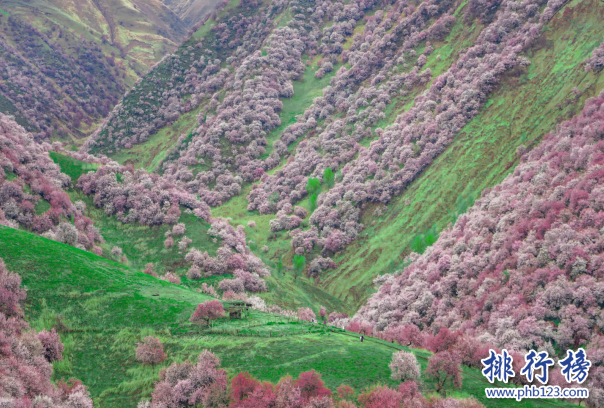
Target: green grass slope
x=527, y=105
x=143, y=244
x=102, y=309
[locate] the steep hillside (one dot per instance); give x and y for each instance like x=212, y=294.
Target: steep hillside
x=431, y=167
x=140, y=245
x=65, y=64
x=102, y=310
x=406, y=104
x=526, y=105
x=523, y=268
x=38, y=193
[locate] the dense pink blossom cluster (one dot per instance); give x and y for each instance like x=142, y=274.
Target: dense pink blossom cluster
x=26, y=356
x=284, y=222
x=231, y=285
x=190, y=384
x=345, y=18
x=243, y=281
x=523, y=268
x=26, y=166
x=234, y=256
x=138, y=196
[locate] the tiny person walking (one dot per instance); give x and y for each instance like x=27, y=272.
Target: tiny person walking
x=361, y=339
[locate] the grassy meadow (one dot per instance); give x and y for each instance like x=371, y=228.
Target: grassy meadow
x=102, y=309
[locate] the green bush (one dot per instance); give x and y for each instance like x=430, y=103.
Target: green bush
x=328, y=177
x=313, y=202
x=299, y=263
x=423, y=241
x=313, y=186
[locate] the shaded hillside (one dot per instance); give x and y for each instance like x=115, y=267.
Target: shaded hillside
x=191, y=12
x=64, y=64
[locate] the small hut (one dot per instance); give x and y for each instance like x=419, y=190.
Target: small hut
x=235, y=309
